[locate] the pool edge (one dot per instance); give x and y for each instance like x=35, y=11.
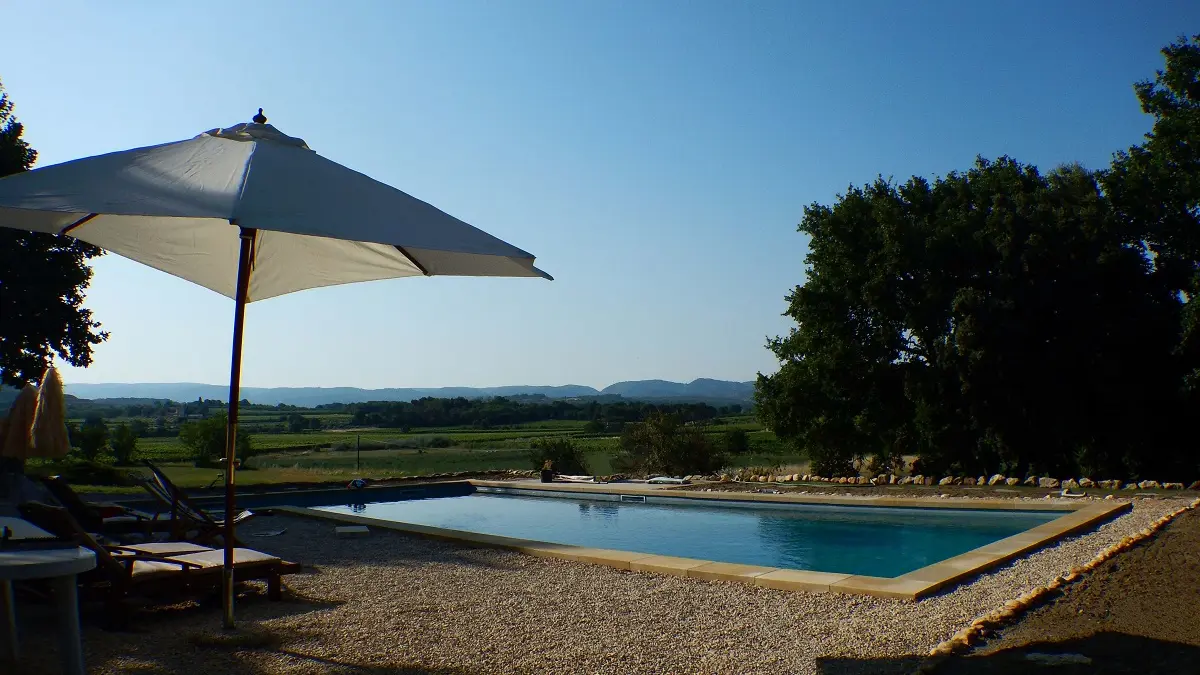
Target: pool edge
x=914, y=585
x=787, y=497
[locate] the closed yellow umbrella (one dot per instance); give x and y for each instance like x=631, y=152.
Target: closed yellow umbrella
x=18, y=437
x=50, y=420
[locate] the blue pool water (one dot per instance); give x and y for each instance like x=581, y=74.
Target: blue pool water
x=875, y=541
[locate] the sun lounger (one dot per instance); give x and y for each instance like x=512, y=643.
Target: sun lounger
x=107, y=519
x=156, y=567
x=185, y=514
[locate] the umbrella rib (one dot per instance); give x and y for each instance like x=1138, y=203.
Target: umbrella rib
x=81, y=221
x=413, y=260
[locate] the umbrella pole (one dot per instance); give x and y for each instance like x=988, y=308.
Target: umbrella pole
x=245, y=258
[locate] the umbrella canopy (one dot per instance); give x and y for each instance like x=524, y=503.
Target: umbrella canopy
x=50, y=438
x=17, y=442
x=181, y=207
x=250, y=213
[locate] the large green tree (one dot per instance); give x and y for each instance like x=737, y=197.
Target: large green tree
x=42, y=283
x=1155, y=187
x=1003, y=319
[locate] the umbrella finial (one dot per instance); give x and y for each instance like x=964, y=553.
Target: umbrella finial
x=260, y=118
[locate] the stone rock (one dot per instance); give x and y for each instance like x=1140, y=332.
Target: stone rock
x=1109, y=497
x=1047, y=482
x=1172, y=486
x=929, y=480
x=982, y=480
x=863, y=480
x=1149, y=484
x=996, y=479
x=1130, y=486
x=1031, y=481
x=905, y=480
x=761, y=479
x=918, y=480
x=1012, y=481
x=1194, y=486
x=968, y=481
x=1070, y=484
x=1086, y=483
x=892, y=479
x=948, y=480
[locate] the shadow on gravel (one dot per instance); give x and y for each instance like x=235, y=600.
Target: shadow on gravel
x=145, y=616
x=903, y=665
x=1104, y=653
x=313, y=543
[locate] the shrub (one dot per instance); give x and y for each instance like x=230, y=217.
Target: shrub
x=124, y=444
x=664, y=445
x=205, y=439
x=831, y=463
x=83, y=472
x=562, y=454
x=737, y=442
x=92, y=438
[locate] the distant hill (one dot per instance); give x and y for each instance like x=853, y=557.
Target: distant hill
x=701, y=390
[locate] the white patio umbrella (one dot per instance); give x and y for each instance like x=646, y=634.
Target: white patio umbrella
x=250, y=213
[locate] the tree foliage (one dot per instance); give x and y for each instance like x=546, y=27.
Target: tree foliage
x=206, y=440
x=564, y=456
x=124, y=444
x=42, y=282
x=500, y=410
x=91, y=438
x=737, y=442
x=1005, y=319
x=664, y=445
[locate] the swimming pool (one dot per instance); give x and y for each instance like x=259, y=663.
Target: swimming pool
x=853, y=540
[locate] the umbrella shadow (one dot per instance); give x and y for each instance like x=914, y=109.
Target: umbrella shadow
x=256, y=649
x=314, y=543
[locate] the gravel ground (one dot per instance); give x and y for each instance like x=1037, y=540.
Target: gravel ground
x=392, y=603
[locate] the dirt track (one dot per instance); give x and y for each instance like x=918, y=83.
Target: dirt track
x=1139, y=613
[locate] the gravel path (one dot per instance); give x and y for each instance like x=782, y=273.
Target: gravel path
x=391, y=603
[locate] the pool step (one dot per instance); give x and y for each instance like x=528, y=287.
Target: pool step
x=640, y=499
x=347, y=531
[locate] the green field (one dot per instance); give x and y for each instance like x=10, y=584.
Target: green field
x=321, y=456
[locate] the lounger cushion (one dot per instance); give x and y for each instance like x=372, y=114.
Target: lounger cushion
x=210, y=560
x=171, y=548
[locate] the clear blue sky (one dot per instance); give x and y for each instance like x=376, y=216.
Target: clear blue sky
x=655, y=156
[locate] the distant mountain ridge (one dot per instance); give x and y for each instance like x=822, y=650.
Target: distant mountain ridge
x=703, y=389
